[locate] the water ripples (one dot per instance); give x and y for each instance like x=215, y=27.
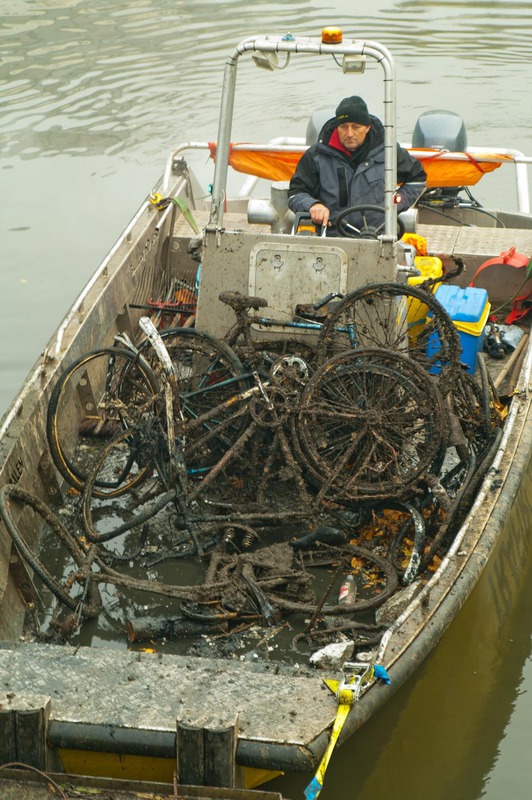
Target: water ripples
x=99, y=78
x=126, y=73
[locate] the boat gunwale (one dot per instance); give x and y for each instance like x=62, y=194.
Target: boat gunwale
x=422, y=644
x=54, y=352
x=521, y=402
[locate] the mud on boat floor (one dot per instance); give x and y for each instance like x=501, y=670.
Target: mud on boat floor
x=245, y=557
x=253, y=597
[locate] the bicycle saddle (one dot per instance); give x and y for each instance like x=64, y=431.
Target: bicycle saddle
x=239, y=302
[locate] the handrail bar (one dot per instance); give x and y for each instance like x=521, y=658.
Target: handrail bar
x=293, y=144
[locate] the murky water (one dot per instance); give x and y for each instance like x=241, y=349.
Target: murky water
x=93, y=98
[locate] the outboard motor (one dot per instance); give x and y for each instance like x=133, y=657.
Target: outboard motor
x=442, y=130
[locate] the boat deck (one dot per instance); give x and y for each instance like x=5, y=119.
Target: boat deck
x=111, y=699
x=479, y=242
x=112, y=696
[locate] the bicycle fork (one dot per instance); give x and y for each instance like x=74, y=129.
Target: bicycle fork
x=178, y=471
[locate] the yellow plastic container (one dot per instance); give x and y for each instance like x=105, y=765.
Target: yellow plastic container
x=416, y=315
x=429, y=266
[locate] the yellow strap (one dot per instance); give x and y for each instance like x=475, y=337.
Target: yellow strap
x=346, y=699
x=316, y=784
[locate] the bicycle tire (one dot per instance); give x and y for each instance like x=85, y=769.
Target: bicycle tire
x=208, y=374
x=379, y=563
x=370, y=424
x=78, y=554
x=399, y=317
x=490, y=398
x=100, y=393
x=472, y=408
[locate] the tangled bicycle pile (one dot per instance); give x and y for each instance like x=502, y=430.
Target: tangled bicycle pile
x=371, y=439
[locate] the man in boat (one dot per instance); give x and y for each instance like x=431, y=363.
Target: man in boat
x=346, y=168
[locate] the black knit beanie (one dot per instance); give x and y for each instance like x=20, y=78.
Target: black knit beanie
x=352, y=109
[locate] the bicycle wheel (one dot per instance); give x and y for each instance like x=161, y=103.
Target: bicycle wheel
x=208, y=374
x=467, y=403
x=398, y=317
x=101, y=393
x=149, y=440
x=69, y=553
x=370, y=424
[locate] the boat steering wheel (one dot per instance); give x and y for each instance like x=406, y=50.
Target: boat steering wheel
x=366, y=231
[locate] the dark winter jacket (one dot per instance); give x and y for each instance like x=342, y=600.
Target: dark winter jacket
x=330, y=176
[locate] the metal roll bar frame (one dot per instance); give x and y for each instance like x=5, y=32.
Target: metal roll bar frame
x=313, y=46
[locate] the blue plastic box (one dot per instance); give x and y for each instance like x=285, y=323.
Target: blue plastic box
x=469, y=309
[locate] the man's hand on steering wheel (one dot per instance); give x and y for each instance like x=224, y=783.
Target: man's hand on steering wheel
x=367, y=231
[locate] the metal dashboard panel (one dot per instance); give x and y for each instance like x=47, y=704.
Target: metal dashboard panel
x=286, y=274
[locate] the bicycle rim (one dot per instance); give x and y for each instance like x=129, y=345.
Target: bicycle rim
x=100, y=394
x=30, y=553
x=399, y=317
x=370, y=424
x=208, y=374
